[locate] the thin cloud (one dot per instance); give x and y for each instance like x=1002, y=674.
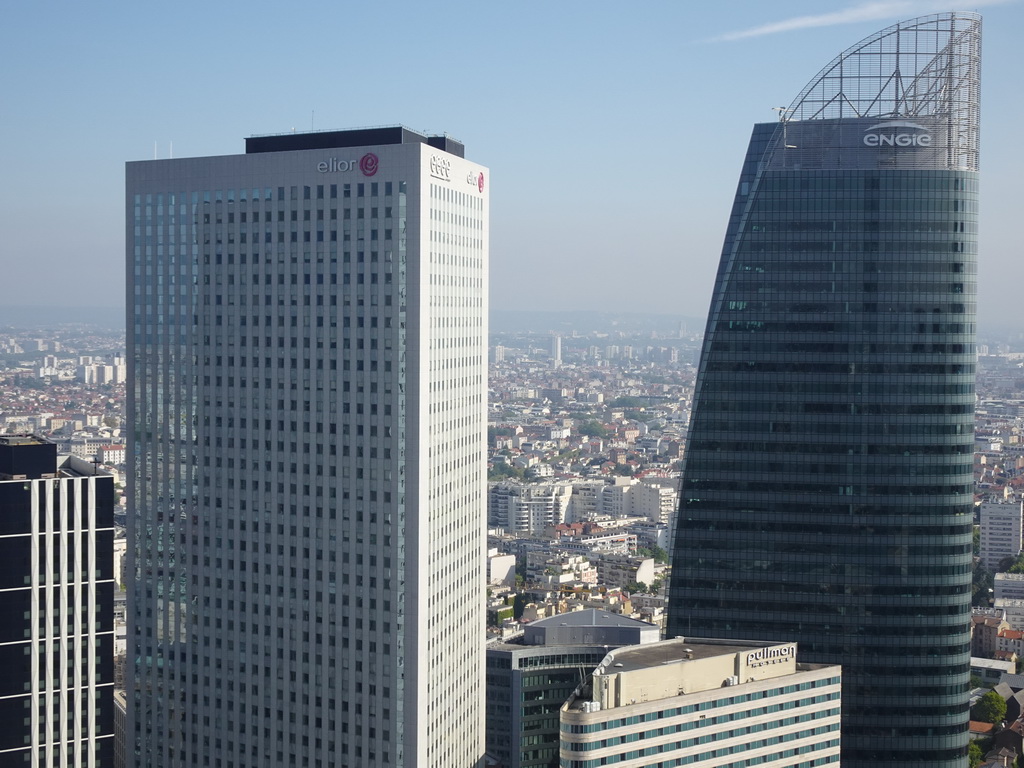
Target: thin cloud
x=871, y=11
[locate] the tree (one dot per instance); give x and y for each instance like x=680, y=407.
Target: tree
x=518, y=606
x=593, y=428
x=990, y=708
x=493, y=432
x=657, y=553
x=504, y=472
x=628, y=402
x=974, y=754
x=981, y=586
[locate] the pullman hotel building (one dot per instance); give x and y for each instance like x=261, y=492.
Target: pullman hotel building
x=307, y=342
x=827, y=492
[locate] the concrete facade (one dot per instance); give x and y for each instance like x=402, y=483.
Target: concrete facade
x=694, y=701
x=307, y=340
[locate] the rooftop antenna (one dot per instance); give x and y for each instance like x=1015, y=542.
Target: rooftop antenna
x=154, y=150
x=170, y=151
x=312, y=115
x=784, y=119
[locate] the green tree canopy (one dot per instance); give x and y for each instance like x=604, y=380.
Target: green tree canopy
x=593, y=428
x=659, y=554
x=990, y=708
x=518, y=606
x=505, y=471
x=974, y=754
x=628, y=402
x=981, y=586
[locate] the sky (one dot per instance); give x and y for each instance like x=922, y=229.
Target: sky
x=614, y=132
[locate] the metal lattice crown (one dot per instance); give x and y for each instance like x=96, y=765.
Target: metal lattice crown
x=924, y=67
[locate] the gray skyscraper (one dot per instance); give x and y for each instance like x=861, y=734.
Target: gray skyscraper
x=827, y=494
x=307, y=351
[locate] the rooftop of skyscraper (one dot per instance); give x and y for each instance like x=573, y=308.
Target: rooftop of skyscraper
x=354, y=137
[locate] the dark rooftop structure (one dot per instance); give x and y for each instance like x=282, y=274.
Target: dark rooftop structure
x=589, y=627
x=357, y=137
x=26, y=457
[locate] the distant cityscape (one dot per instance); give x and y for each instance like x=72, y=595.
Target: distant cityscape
x=315, y=503
x=585, y=439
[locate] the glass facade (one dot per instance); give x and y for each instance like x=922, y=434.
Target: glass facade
x=827, y=492
x=526, y=687
x=57, y=602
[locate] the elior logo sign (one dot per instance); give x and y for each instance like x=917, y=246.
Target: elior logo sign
x=368, y=164
x=897, y=133
x=475, y=180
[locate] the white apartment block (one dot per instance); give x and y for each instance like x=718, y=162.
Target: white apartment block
x=653, y=498
x=557, y=568
x=585, y=502
x=307, y=343
x=1008, y=586
x=656, y=499
x=713, y=703
x=614, y=542
x=1001, y=532
x=615, y=570
x=1012, y=611
x=527, y=508
x=501, y=569
x=111, y=454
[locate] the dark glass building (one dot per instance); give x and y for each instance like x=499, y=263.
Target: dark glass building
x=57, y=606
x=529, y=679
x=827, y=491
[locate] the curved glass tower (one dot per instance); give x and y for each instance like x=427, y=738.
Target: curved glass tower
x=827, y=493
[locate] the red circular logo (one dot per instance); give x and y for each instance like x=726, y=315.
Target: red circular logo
x=480, y=182
x=368, y=164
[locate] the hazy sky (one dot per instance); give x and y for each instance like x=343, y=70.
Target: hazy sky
x=614, y=132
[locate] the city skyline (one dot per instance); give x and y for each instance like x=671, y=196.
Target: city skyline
x=629, y=116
